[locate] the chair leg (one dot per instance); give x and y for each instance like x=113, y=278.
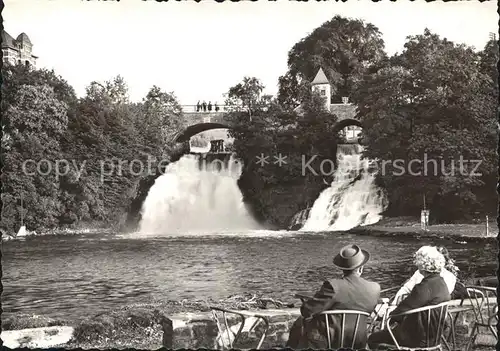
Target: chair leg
x=472, y=338
x=493, y=331
x=446, y=343
x=493, y=327
x=453, y=335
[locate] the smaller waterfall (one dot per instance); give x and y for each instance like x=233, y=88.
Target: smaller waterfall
x=352, y=198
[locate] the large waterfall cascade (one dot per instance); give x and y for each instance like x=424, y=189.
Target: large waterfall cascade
x=352, y=199
x=196, y=196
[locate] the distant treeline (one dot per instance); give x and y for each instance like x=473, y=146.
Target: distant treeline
x=45, y=125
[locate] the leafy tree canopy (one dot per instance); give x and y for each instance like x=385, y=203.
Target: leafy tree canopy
x=345, y=49
x=430, y=102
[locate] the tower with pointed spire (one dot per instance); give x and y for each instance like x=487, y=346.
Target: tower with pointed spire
x=321, y=85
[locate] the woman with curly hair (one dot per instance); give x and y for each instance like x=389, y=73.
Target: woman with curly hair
x=432, y=290
x=448, y=273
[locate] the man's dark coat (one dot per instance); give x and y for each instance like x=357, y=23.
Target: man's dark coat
x=350, y=293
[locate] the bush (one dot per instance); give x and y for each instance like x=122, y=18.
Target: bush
x=26, y=321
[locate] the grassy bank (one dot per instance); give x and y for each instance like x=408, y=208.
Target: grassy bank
x=410, y=226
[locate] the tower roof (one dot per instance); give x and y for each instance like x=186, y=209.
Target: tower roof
x=23, y=38
x=320, y=78
x=7, y=40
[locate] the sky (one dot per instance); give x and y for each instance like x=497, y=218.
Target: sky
x=199, y=50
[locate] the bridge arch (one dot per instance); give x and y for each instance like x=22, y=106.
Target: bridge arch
x=194, y=129
x=347, y=123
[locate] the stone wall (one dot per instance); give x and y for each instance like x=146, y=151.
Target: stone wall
x=204, y=117
x=199, y=330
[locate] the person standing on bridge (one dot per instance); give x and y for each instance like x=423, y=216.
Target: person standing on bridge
x=210, y=106
x=198, y=106
x=204, y=104
x=216, y=107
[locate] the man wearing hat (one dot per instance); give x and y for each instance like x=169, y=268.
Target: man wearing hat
x=349, y=293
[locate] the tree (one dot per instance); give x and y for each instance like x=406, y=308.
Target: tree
x=103, y=137
x=345, y=48
x=429, y=103
x=246, y=95
x=15, y=76
x=109, y=92
x=275, y=131
x=289, y=91
x=488, y=65
x=32, y=127
x=488, y=59
x=162, y=118
x=44, y=121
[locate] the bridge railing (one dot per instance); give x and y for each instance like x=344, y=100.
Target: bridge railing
x=222, y=108
x=194, y=108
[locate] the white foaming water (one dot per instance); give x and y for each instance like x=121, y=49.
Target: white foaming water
x=194, y=197
x=352, y=199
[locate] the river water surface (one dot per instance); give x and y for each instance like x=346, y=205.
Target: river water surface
x=76, y=276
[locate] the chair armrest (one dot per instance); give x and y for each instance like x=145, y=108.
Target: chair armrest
x=483, y=288
x=420, y=309
x=388, y=326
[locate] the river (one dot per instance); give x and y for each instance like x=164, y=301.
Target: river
x=75, y=276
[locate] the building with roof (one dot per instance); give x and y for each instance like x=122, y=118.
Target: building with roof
x=321, y=85
x=344, y=110
x=18, y=50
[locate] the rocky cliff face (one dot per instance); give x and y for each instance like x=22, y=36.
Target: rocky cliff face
x=276, y=206
x=299, y=219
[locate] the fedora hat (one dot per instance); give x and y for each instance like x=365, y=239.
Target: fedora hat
x=351, y=257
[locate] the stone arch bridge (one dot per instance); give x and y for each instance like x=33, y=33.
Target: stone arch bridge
x=198, y=122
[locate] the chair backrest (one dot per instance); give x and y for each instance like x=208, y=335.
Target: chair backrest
x=342, y=314
x=426, y=312
x=480, y=299
x=230, y=334
x=226, y=337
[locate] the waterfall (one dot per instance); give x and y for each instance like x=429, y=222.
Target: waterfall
x=352, y=199
x=194, y=196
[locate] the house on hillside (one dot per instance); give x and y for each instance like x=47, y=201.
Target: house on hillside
x=343, y=110
x=18, y=50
